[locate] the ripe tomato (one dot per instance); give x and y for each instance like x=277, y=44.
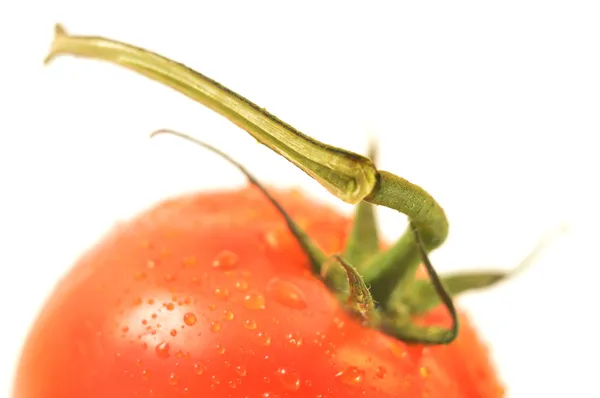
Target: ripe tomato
x=209, y=295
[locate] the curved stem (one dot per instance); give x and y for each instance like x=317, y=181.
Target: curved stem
x=347, y=175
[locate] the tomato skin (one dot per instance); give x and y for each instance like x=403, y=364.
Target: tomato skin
x=210, y=295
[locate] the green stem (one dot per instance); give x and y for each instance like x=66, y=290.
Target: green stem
x=347, y=175
x=396, y=267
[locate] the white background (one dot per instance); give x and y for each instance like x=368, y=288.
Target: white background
x=491, y=106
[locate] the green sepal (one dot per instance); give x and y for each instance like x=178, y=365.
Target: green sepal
x=421, y=297
x=316, y=256
x=358, y=301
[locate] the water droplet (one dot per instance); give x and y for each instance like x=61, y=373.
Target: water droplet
x=145, y=374
x=162, y=350
x=220, y=349
x=263, y=338
x=241, y=285
x=153, y=316
x=225, y=260
x=221, y=293
x=254, y=301
x=215, y=326
x=199, y=368
x=286, y=293
x=212, y=306
x=351, y=375
x=151, y=301
x=190, y=319
x=424, y=372
x=288, y=379
x=140, y=276
x=151, y=264
x=189, y=261
x=228, y=315
x=381, y=372
x=170, y=306
x=241, y=371
x=294, y=339
x=250, y=324
x=173, y=379
x=173, y=332
x=125, y=329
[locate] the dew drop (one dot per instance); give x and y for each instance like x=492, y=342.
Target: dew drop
x=173, y=379
x=199, y=368
x=241, y=371
x=125, y=329
x=263, y=338
x=381, y=372
x=162, y=350
x=221, y=293
x=351, y=375
x=241, y=285
x=220, y=349
x=250, y=324
x=215, y=326
x=286, y=293
x=190, y=319
x=170, y=306
x=288, y=379
x=228, y=315
x=225, y=260
x=189, y=261
x=254, y=301
x=424, y=372
x=173, y=332
x=151, y=264
x=145, y=374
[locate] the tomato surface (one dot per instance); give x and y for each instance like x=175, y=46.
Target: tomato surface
x=209, y=295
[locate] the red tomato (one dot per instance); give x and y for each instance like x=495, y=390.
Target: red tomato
x=209, y=295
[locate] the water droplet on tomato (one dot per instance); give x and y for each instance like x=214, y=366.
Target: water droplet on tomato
x=220, y=349
x=162, y=350
x=199, y=368
x=190, y=319
x=151, y=264
x=294, y=339
x=221, y=293
x=225, y=260
x=381, y=372
x=254, y=301
x=250, y=324
x=169, y=277
x=263, y=338
x=286, y=293
x=241, y=285
x=169, y=306
x=289, y=380
x=173, y=379
x=140, y=276
x=189, y=261
x=351, y=375
x=215, y=326
x=241, y=371
x=228, y=315
x=125, y=329
x=424, y=372
x=173, y=332
x=145, y=374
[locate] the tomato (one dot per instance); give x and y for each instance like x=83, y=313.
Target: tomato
x=209, y=295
